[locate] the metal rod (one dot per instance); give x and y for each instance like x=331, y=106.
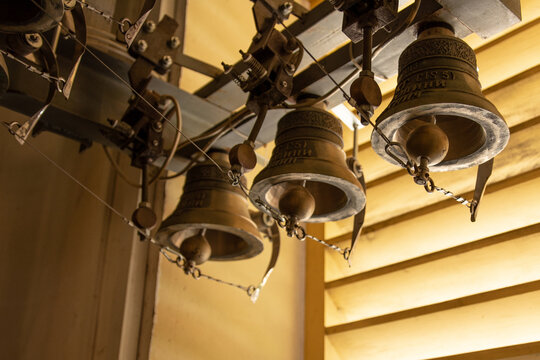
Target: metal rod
x=144, y=191
x=263, y=109
x=367, y=47
x=355, y=140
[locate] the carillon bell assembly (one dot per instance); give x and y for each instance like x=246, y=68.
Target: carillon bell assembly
x=307, y=178
x=439, y=114
x=212, y=220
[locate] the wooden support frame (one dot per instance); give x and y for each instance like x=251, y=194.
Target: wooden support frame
x=314, y=296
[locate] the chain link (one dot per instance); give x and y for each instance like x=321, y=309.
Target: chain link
x=459, y=199
x=189, y=268
x=293, y=229
x=104, y=14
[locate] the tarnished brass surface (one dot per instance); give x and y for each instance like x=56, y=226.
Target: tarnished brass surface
x=210, y=202
x=23, y=16
x=438, y=82
x=309, y=148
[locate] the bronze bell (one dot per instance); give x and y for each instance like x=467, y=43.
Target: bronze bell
x=211, y=212
x=438, y=111
x=307, y=176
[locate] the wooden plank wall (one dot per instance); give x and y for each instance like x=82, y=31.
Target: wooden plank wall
x=426, y=283
x=72, y=275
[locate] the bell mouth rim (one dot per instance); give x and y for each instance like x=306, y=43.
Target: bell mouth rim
x=496, y=131
x=254, y=245
x=355, y=199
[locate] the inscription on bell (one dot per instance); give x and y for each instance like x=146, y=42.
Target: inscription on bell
x=193, y=200
x=413, y=87
x=289, y=153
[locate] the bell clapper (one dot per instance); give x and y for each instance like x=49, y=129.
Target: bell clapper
x=196, y=249
x=242, y=157
x=365, y=91
x=296, y=204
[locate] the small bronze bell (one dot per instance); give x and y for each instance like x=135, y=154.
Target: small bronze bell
x=438, y=111
x=307, y=177
x=211, y=212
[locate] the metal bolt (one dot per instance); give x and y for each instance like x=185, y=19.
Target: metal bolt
x=226, y=67
x=157, y=126
x=166, y=62
x=141, y=46
x=34, y=40
x=149, y=26
x=155, y=143
x=286, y=9
x=284, y=84
x=290, y=69
x=174, y=42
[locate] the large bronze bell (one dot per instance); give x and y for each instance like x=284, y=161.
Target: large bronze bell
x=212, y=219
x=307, y=176
x=438, y=111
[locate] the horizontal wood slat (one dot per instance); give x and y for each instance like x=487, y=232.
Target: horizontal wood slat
x=441, y=306
x=400, y=195
x=445, y=253
x=381, y=248
x=489, y=264
x=494, y=319
x=500, y=353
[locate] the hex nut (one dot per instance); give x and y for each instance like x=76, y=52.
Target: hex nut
x=149, y=26
x=166, y=62
x=141, y=46
x=174, y=42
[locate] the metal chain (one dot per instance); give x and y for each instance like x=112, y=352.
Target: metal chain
x=293, y=229
x=459, y=199
x=189, y=268
x=104, y=14
x=60, y=81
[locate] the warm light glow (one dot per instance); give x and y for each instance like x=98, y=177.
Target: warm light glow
x=346, y=116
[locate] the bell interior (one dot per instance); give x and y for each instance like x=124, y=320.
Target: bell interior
x=328, y=198
x=18, y=12
x=223, y=244
x=465, y=136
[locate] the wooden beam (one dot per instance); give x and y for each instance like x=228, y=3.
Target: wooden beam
x=149, y=282
x=314, y=348
x=377, y=244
